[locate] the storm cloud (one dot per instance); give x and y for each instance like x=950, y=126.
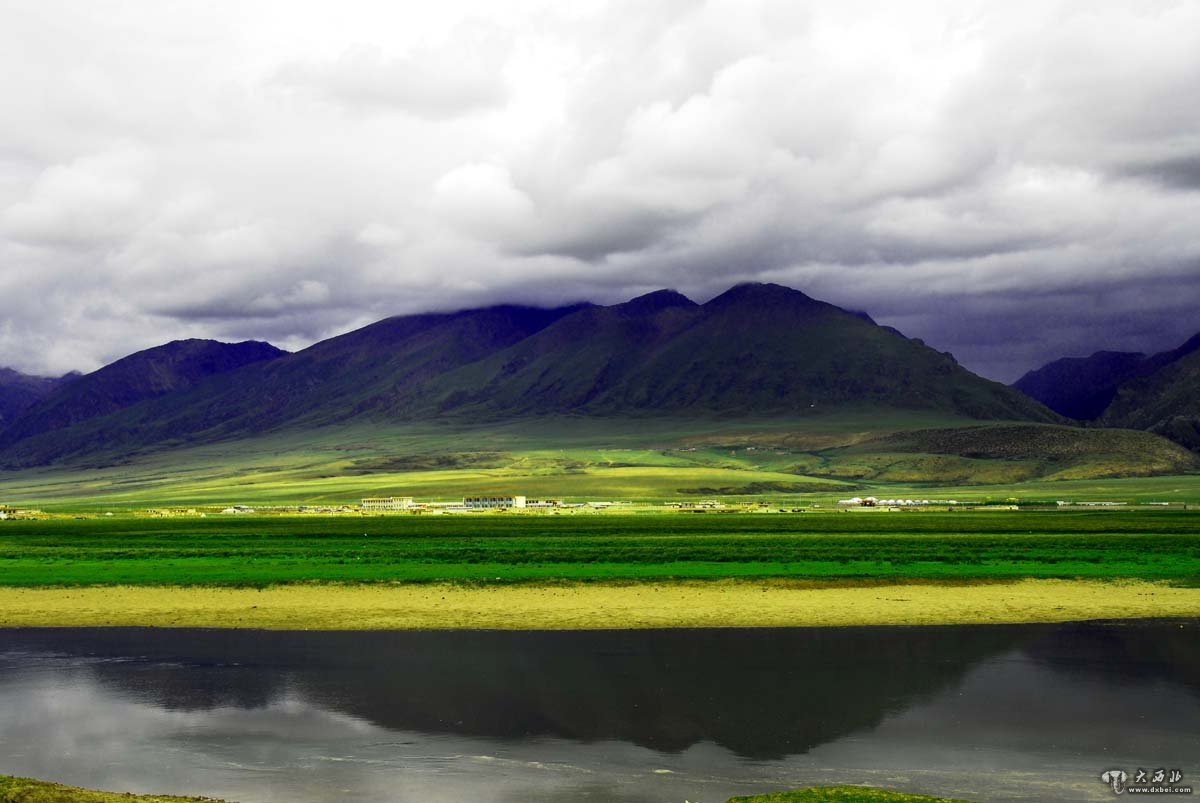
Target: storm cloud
x=1010, y=182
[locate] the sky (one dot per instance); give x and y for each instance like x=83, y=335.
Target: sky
x=1011, y=182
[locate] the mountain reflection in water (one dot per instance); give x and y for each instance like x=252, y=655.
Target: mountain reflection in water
x=597, y=713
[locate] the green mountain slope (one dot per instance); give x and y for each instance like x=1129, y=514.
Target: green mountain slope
x=754, y=351
x=148, y=374
x=331, y=381
x=1166, y=402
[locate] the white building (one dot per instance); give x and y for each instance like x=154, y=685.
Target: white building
x=380, y=504
x=493, y=502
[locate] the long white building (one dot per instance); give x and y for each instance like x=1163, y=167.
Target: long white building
x=382, y=504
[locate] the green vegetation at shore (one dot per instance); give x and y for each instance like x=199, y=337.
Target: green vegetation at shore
x=842, y=794
x=27, y=790
x=1162, y=545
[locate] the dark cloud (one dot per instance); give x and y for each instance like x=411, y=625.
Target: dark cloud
x=1010, y=183
x=1179, y=172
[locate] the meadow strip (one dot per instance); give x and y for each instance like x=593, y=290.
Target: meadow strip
x=727, y=603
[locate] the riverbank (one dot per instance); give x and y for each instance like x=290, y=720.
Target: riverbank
x=842, y=794
x=726, y=603
x=28, y=790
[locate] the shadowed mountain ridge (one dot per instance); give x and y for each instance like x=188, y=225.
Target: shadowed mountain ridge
x=755, y=350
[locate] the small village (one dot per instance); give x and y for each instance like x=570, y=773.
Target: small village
x=519, y=505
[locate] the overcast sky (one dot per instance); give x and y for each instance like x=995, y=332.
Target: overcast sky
x=1012, y=182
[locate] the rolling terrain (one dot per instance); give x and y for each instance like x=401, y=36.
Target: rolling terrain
x=819, y=459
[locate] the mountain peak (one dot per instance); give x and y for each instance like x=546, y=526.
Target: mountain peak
x=146, y=374
x=658, y=300
x=761, y=293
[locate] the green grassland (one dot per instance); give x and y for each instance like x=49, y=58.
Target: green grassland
x=263, y=550
x=815, y=459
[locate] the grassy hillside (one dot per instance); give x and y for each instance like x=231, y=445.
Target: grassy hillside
x=1028, y=451
x=753, y=352
x=817, y=459
x=1167, y=402
x=336, y=379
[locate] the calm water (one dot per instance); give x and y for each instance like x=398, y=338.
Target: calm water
x=989, y=713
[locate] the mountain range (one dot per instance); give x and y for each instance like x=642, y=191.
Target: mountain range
x=1159, y=393
x=756, y=350
x=20, y=391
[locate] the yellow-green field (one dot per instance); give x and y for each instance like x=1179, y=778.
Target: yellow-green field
x=816, y=459
x=727, y=603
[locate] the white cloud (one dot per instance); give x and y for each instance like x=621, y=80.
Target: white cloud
x=463, y=75
x=288, y=170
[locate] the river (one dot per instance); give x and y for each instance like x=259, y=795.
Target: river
x=1023, y=712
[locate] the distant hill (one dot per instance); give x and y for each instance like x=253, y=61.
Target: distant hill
x=756, y=350
x=1159, y=393
x=1082, y=387
x=1038, y=450
x=145, y=375
x=1165, y=401
x=19, y=391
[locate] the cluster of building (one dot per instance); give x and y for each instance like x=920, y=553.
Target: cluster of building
x=7, y=512
x=870, y=501
x=402, y=504
x=703, y=504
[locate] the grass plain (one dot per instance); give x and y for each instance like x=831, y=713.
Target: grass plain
x=809, y=464
x=1162, y=545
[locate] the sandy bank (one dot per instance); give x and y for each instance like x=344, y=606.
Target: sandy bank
x=583, y=606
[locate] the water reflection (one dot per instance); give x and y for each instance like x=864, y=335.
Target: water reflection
x=615, y=716
x=760, y=693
